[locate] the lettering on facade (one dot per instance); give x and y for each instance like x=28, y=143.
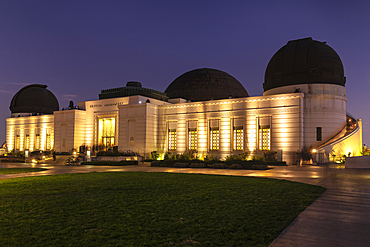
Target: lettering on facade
x=115, y=103
x=92, y=106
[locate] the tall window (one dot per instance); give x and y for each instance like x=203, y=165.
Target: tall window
x=171, y=139
x=319, y=134
x=17, y=142
x=238, y=138
x=106, y=134
x=37, y=142
x=192, y=138
x=27, y=142
x=264, y=137
x=48, y=141
x=214, y=136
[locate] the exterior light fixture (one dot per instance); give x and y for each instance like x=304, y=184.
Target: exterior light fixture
x=314, y=150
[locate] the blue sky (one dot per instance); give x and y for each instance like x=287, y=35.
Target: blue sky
x=79, y=47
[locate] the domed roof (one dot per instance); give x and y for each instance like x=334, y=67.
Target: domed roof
x=34, y=98
x=304, y=61
x=205, y=84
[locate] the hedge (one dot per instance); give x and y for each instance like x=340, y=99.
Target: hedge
x=111, y=163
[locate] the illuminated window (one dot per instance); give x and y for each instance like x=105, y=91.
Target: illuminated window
x=192, y=139
x=27, y=142
x=264, y=137
x=172, y=139
x=17, y=142
x=37, y=142
x=238, y=138
x=214, y=136
x=319, y=134
x=48, y=141
x=106, y=134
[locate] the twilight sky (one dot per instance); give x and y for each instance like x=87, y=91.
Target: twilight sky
x=79, y=47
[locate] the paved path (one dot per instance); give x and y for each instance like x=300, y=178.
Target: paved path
x=339, y=217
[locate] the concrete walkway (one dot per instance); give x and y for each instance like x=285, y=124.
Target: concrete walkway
x=339, y=217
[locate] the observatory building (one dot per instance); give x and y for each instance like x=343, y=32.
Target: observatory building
x=206, y=111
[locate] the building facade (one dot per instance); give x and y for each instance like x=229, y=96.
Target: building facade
x=205, y=111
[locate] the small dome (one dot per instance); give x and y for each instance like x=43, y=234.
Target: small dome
x=304, y=61
x=205, y=84
x=34, y=98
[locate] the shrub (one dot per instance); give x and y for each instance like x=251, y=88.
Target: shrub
x=236, y=166
x=167, y=163
x=190, y=155
x=241, y=156
x=17, y=154
x=219, y=165
x=276, y=163
x=155, y=163
x=154, y=155
x=111, y=163
x=270, y=155
x=110, y=153
x=305, y=154
x=167, y=156
x=257, y=158
x=181, y=165
x=210, y=158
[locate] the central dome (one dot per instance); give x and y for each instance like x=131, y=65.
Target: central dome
x=304, y=61
x=205, y=84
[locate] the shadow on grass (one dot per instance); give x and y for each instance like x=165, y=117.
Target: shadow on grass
x=20, y=170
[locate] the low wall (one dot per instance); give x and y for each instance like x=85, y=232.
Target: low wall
x=358, y=162
x=117, y=158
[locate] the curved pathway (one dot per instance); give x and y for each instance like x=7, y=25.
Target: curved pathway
x=339, y=217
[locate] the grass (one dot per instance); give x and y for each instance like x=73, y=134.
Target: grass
x=148, y=209
x=19, y=170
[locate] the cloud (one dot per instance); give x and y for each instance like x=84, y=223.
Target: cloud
x=4, y=91
x=9, y=84
x=14, y=83
x=69, y=96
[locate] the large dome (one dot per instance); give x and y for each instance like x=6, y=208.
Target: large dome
x=34, y=99
x=205, y=84
x=304, y=61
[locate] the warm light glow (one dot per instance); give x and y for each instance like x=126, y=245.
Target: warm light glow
x=106, y=134
x=181, y=136
x=238, y=139
x=192, y=145
x=37, y=142
x=27, y=142
x=264, y=138
x=202, y=137
x=214, y=139
x=314, y=150
x=172, y=139
x=17, y=142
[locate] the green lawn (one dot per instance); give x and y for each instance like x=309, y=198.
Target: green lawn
x=148, y=209
x=19, y=170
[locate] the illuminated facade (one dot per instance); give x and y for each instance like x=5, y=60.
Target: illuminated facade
x=207, y=113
